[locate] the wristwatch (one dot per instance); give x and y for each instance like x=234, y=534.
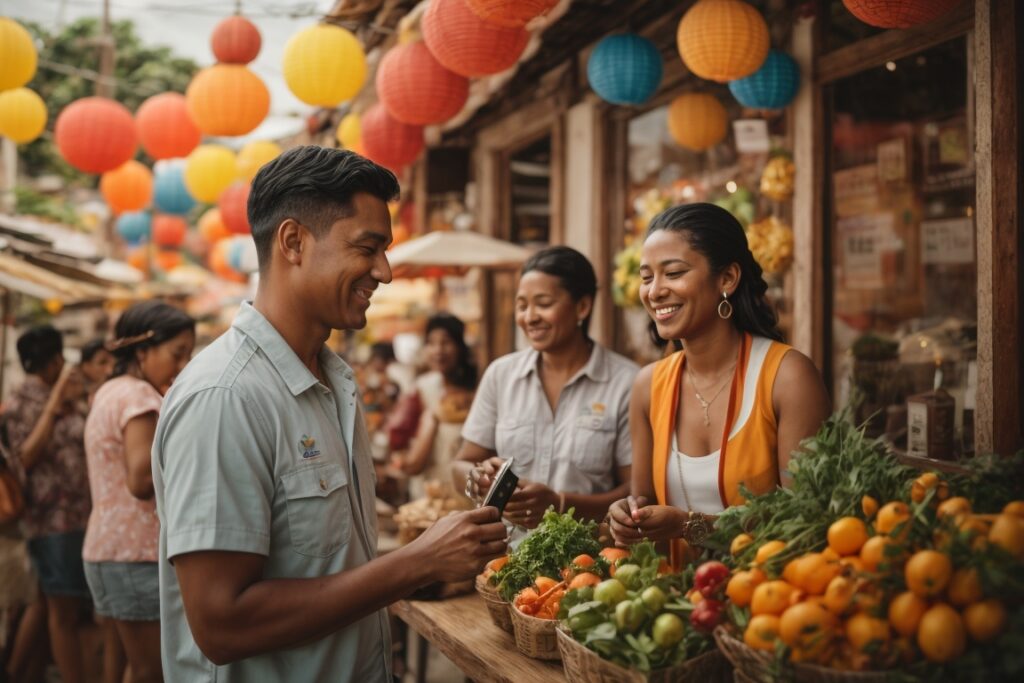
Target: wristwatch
x=697, y=527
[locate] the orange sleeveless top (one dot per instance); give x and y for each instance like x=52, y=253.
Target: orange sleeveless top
x=749, y=456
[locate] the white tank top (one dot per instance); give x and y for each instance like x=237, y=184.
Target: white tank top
x=699, y=476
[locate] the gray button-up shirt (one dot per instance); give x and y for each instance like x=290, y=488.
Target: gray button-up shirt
x=576, y=448
x=253, y=454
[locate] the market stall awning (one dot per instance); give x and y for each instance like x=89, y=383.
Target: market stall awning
x=26, y=278
x=447, y=253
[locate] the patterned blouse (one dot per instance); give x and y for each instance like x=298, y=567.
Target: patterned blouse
x=57, y=486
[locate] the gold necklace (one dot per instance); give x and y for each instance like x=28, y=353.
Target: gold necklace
x=706, y=404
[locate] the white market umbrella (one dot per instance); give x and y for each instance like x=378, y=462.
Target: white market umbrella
x=453, y=252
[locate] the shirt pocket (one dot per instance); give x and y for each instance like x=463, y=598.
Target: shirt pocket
x=319, y=516
x=515, y=440
x=593, y=442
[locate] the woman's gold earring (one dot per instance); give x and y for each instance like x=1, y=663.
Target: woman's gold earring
x=727, y=312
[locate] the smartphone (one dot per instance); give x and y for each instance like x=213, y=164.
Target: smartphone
x=504, y=486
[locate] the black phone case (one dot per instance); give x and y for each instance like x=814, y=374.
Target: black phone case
x=502, y=489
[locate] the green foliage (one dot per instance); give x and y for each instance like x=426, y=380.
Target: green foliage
x=28, y=202
x=991, y=481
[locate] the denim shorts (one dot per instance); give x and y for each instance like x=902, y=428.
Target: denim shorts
x=57, y=559
x=126, y=591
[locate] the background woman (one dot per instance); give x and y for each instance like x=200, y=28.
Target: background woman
x=96, y=365
x=559, y=408
x=154, y=342
x=729, y=409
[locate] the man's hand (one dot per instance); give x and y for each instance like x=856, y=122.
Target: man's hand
x=482, y=476
x=527, y=505
x=458, y=546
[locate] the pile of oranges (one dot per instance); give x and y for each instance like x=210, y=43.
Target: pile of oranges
x=903, y=584
x=543, y=599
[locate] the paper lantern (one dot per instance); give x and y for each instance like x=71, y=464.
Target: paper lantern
x=254, y=156
x=227, y=99
x=128, y=187
x=697, y=121
x=514, y=13
x=468, y=45
x=211, y=226
x=416, y=89
x=773, y=86
x=18, y=57
x=899, y=13
x=722, y=40
x=233, y=205
x=625, y=69
x=324, y=65
x=169, y=231
x=218, y=262
x=350, y=132
x=208, y=172
x=134, y=226
x=170, y=195
x=22, y=115
x=241, y=254
x=777, y=178
x=138, y=258
x=95, y=134
x=167, y=259
x=165, y=128
x=235, y=40
x=390, y=142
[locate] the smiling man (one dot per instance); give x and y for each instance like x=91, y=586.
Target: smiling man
x=261, y=461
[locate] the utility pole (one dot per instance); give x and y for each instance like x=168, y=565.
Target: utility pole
x=105, y=88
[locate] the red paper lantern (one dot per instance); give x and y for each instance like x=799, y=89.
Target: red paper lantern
x=233, y=205
x=468, y=45
x=390, y=142
x=95, y=134
x=227, y=99
x=169, y=230
x=236, y=40
x=416, y=89
x=899, y=13
x=128, y=187
x=165, y=128
x=212, y=228
x=510, y=12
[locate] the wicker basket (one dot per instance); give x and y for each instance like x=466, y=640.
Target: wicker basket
x=535, y=637
x=496, y=607
x=583, y=665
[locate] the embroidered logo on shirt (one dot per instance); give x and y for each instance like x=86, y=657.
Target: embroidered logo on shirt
x=307, y=446
x=597, y=409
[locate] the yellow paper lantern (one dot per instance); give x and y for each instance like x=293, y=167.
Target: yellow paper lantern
x=208, y=172
x=697, y=121
x=253, y=156
x=723, y=40
x=324, y=65
x=18, y=57
x=350, y=132
x=22, y=115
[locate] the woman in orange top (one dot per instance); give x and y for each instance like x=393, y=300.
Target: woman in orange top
x=730, y=408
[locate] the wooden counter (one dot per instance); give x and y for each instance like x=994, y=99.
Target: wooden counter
x=461, y=629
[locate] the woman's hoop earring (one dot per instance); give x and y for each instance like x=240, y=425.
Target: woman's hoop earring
x=727, y=313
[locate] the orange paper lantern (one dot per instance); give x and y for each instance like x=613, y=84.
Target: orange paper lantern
x=167, y=259
x=218, y=262
x=236, y=40
x=138, y=258
x=233, y=205
x=468, y=45
x=390, y=142
x=416, y=89
x=95, y=134
x=697, y=121
x=168, y=230
x=212, y=228
x=165, y=128
x=227, y=99
x=723, y=40
x=128, y=187
x=513, y=13
x=899, y=13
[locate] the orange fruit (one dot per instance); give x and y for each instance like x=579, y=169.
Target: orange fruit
x=497, y=563
x=874, y=555
x=863, y=630
x=985, y=620
x=964, y=587
x=694, y=596
x=905, y=612
x=941, y=635
x=866, y=598
x=771, y=597
x=892, y=515
x=851, y=564
x=807, y=627
x=953, y=507
x=847, y=535
x=829, y=554
x=740, y=588
x=762, y=632
x=922, y=485
x=1008, y=532
x=739, y=543
x=816, y=573
x=839, y=595
x=543, y=583
x=927, y=573
x=767, y=550
x=869, y=506
x=1014, y=507
x=584, y=579
x=973, y=526
x=614, y=554
x=583, y=560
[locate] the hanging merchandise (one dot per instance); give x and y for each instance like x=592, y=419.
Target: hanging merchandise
x=514, y=13
x=773, y=86
x=22, y=115
x=771, y=243
x=899, y=13
x=254, y=156
x=209, y=170
x=722, y=40
x=324, y=65
x=170, y=194
x=169, y=231
x=165, y=128
x=134, y=226
x=241, y=255
x=389, y=142
x=697, y=121
x=95, y=134
x=211, y=226
x=235, y=40
x=217, y=260
x=350, y=133
x=227, y=99
x=18, y=58
x=233, y=205
x=625, y=69
x=128, y=187
x=416, y=89
x=167, y=259
x=468, y=45
x=777, y=178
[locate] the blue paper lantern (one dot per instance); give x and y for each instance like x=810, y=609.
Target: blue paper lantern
x=134, y=226
x=169, y=192
x=625, y=69
x=773, y=86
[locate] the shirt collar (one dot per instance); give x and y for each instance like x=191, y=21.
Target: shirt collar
x=596, y=367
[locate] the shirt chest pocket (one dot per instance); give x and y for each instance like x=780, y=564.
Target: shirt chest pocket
x=594, y=440
x=319, y=513
x=515, y=440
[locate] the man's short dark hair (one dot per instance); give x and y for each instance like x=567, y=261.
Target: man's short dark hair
x=314, y=186
x=38, y=346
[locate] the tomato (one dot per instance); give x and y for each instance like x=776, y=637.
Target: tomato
x=709, y=577
x=668, y=630
x=654, y=598
x=706, y=615
x=610, y=592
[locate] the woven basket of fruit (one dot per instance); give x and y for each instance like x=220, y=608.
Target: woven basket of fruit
x=583, y=665
x=534, y=637
x=496, y=607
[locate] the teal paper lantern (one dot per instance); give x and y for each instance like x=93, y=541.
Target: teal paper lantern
x=134, y=226
x=169, y=192
x=773, y=86
x=625, y=69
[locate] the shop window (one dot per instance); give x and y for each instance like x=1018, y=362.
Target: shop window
x=529, y=171
x=903, y=253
